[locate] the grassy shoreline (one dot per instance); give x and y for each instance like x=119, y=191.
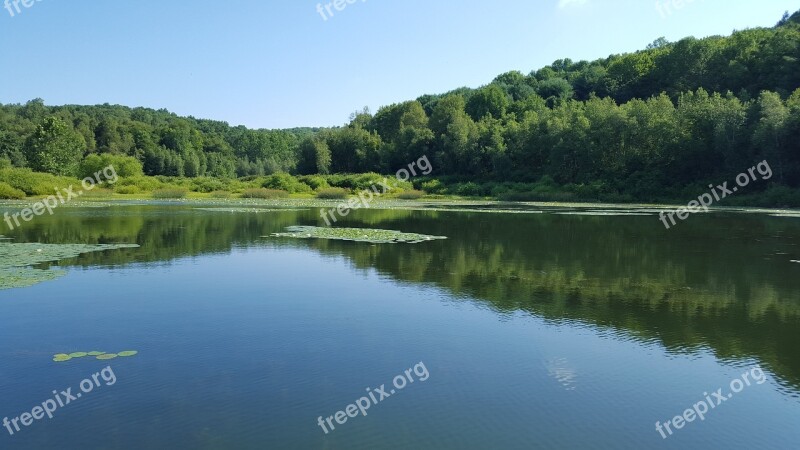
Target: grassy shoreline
x=441, y=204
x=23, y=184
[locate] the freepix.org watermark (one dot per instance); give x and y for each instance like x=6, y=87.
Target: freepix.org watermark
x=338, y=5
x=716, y=194
x=59, y=400
x=365, y=197
x=701, y=408
x=376, y=396
x=13, y=6
x=49, y=203
x=666, y=7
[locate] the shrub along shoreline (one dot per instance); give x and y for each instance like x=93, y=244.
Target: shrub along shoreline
x=18, y=184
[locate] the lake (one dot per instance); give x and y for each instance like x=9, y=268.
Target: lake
x=546, y=327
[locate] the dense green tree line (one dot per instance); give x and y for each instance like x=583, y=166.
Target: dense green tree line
x=56, y=138
x=673, y=115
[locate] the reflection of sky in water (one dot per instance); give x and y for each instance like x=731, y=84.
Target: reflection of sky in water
x=559, y=369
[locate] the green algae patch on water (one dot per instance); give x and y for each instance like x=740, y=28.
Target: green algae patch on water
x=63, y=357
x=370, y=235
x=16, y=260
x=249, y=210
x=602, y=213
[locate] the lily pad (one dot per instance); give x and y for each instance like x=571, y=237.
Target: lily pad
x=370, y=235
x=249, y=210
x=61, y=357
x=16, y=260
x=25, y=277
x=603, y=213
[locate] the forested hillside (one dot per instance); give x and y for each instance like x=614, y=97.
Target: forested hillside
x=672, y=115
x=165, y=143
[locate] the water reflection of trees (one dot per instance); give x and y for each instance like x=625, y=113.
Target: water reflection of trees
x=718, y=282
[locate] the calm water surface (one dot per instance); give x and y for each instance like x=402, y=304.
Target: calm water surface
x=537, y=331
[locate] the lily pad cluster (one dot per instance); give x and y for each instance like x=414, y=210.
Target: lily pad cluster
x=477, y=210
x=249, y=210
x=16, y=260
x=370, y=235
x=64, y=357
x=603, y=213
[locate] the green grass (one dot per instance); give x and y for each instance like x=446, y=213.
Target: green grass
x=16, y=184
x=220, y=194
x=170, y=193
x=333, y=194
x=411, y=195
x=8, y=192
x=265, y=194
x=35, y=183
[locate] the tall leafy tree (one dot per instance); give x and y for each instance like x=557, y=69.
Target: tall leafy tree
x=771, y=130
x=488, y=101
x=55, y=147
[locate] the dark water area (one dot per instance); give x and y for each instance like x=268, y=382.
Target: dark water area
x=540, y=330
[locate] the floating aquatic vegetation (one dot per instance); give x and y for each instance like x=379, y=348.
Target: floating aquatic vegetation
x=25, y=277
x=249, y=210
x=10, y=203
x=356, y=235
x=377, y=204
x=86, y=204
x=63, y=357
x=23, y=255
x=16, y=259
x=601, y=213
x=474, y=210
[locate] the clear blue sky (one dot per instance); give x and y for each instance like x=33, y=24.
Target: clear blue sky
x=277, y=64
